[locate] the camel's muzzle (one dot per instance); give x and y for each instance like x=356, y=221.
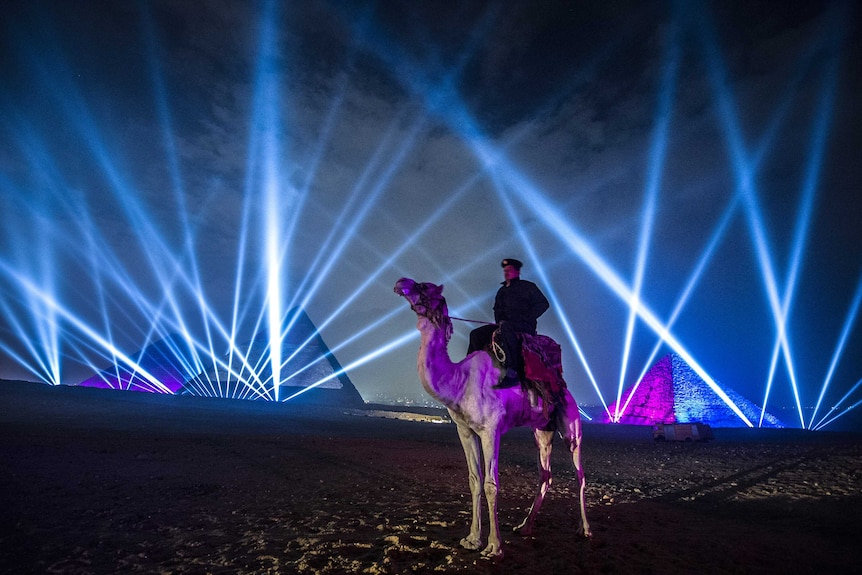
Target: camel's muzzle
x=402, y=286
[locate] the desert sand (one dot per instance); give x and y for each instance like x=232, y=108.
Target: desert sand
x=101, y=481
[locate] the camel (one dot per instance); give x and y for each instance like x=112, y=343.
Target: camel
x=483, y=412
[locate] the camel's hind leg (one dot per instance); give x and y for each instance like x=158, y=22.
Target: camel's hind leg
x=544, y=444
x=569, y=422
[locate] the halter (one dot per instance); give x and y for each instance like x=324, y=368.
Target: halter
x=432, y=308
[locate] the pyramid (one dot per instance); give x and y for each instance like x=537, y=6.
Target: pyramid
x=672, y=392
x=168, y=360
x=311, y=366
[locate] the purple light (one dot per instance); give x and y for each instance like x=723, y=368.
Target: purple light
x=672, y=392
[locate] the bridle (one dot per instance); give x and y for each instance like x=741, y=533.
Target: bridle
x=434, y=309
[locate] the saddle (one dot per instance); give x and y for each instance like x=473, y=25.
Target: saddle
x=543, y=368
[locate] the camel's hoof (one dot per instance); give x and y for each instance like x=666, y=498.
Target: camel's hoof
x=586, y=533
x=523, y=529
x=471, y=544
x=492, y=552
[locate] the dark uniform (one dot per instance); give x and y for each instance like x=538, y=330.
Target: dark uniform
x=517, y=306
x=520, y=304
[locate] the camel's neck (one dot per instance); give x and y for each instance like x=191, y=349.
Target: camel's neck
x=439, y=376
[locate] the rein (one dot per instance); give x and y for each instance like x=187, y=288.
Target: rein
x=473, y=320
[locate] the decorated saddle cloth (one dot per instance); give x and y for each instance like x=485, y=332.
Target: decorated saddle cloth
x=543, y=366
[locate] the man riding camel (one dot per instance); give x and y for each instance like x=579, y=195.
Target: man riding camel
x=517, y=306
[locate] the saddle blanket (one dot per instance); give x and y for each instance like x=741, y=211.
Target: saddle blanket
x=542, y=359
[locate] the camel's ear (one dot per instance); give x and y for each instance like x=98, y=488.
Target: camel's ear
x=439, y=289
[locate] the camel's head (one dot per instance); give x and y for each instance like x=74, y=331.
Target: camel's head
x=426, y=299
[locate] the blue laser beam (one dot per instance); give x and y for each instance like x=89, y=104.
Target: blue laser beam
x=534, y=201
x=745, y=183
x=849, y=320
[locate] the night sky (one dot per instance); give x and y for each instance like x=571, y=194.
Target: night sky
x=147, y=149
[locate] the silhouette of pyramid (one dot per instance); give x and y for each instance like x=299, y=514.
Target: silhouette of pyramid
x=307, y=364
x=672, y=392
x=167, y=360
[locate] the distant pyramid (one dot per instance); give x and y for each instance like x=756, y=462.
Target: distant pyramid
x=672, y=392
x=167, y=361
x=310, y=363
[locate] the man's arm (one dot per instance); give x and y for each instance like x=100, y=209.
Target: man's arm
x=498, y=306
x=538, y=302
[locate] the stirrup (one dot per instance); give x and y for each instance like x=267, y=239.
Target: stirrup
x=498, y=352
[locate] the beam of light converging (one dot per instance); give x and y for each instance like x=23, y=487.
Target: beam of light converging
x=658, y=151
x=42, y=316
x=353, y=337
x=49, y=328
x=35, y=254
x=72, y=203
x=834, y=412
x=336, y=230
x=412, y=240
x=745, y=182
x=382, y=350
x=534, y=201
x=718, y=232
x=150, y=240
x=348, y=235
x=316, y=157
x=40, y=364
x=103, y=263
x=255, y=136
x=693, y=280
x=81, y=325
x=269, y=84
x=354, y=213
x=806, y=207
x=40, y=325
x=107, y=266
x=849, y=320
x=38, y=371
x=318, y=272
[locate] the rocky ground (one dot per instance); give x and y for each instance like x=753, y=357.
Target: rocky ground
x=97, y=481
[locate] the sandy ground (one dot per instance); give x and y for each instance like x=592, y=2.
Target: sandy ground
x=97, y=481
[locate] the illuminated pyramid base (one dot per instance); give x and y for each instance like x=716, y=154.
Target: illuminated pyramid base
x=671, y=392
x=167, y=361
x=310, y=373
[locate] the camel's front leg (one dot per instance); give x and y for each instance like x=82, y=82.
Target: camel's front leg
x=470, y=443
x=544, y=444
x=491, y=451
